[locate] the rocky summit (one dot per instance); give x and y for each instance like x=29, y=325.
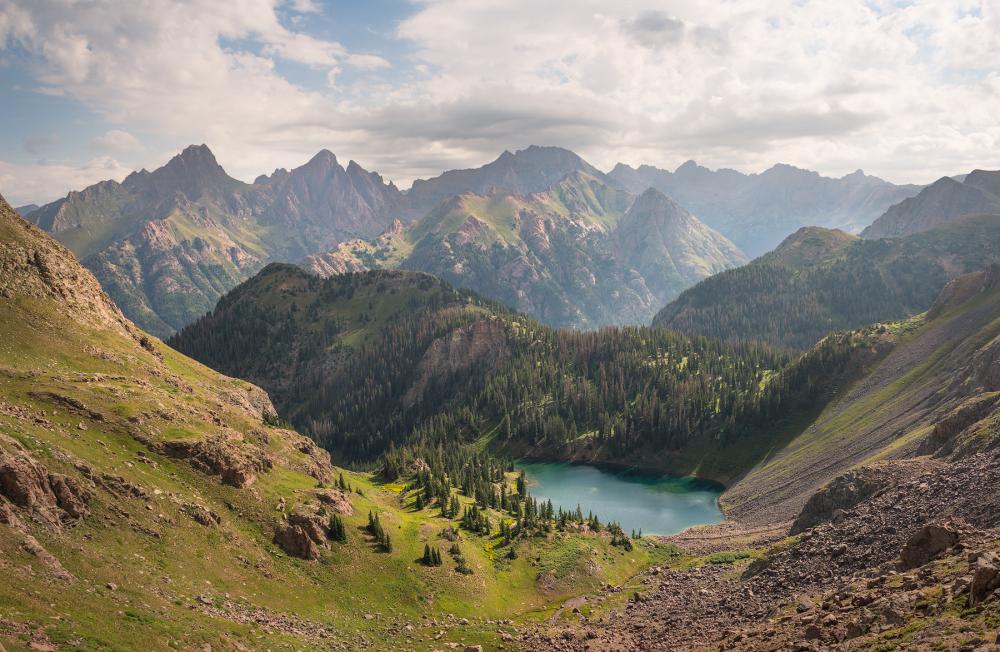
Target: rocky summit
x=167, y=244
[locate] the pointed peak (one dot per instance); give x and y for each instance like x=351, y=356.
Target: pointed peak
x=323, y=156
x=324, y=162
x=652, y=194
x=687, y=166
x=945, y=182
x=195, y=159
x=654, y=201
x=197, y=151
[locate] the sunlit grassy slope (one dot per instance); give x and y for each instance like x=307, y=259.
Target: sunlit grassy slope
x=85, y=394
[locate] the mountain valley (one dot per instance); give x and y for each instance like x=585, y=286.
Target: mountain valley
x=478, y=326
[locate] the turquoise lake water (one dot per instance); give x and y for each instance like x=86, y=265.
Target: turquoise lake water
x=655, y=503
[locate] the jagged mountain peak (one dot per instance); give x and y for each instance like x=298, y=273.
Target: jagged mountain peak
x=195, y=160
x=323, y=162
x=194, y=172
x=533, y=169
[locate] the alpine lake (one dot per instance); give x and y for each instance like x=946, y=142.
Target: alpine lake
x=655, y=504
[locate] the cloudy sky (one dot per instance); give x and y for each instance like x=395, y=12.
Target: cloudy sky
x=91, y=89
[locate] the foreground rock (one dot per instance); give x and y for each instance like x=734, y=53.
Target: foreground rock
x=914, y=566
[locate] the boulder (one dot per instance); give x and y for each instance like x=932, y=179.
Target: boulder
x=202, y=515
x=927, y=543
x=296, y=542
x=337, y=500
x=842, y=493
x=985, y=578
x=314, y=525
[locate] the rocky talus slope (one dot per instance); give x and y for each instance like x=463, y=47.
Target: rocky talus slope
x=915, y=567
x=877, y=527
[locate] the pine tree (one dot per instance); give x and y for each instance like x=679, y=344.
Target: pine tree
x=428, y=559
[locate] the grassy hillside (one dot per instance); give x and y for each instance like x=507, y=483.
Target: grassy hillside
x=140, y=495
x=934, y=390
x=369, y=361
x=819, y=281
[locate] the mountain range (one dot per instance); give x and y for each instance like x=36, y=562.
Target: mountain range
x=167, y=244
x=947, y=199
x=539, y=229
x=149, y=502
x=757, y=211
x=147, y=497
x=822, y=280
x=581, y=254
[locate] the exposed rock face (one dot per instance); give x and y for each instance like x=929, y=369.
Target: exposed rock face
x=33, y=265
x=669, y=247
x=927, y=543
x=529, y=170
x=339, y=501
x=482, y=342
x=167, y=244
x=295, y=541
x=574, y=254
x=238, y=463
x=304, y=534
x=314, y=525
x=50, y=498
x=843, y=492
x=203, y=515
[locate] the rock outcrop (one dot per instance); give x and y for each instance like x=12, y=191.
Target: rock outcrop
x=337, y=500
x=54, y=499
x=237, y=462
x=986, y=577
x=295, y=541
x=843, y=492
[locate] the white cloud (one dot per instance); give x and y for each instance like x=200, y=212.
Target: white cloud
x=905, y=90
x=44, y=182
x=117, y=141
x=829, y=85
